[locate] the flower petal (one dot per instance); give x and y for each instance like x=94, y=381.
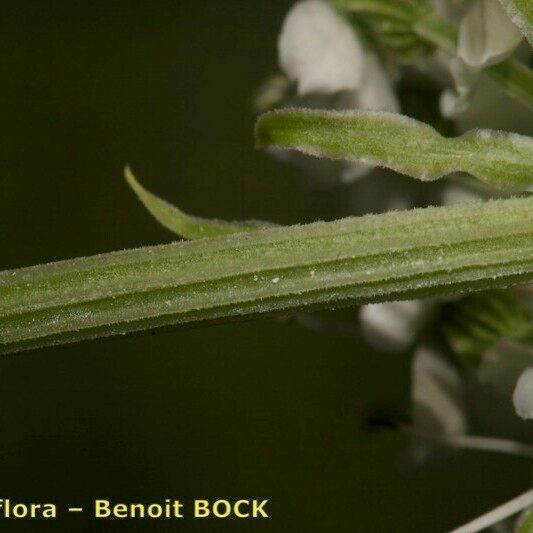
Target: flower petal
x=319, y=49
x=523, y=395
x=486, y=34
x=393, y=326
x=456, y=101
x=376, y=92
x=436, y=394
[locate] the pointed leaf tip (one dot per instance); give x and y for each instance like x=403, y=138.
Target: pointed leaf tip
x=181, y=223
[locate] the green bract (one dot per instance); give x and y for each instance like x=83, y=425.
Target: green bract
x=503, y=160
x=182, y=224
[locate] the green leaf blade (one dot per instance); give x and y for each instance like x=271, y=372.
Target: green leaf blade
x=503, y=160
x=179, y=222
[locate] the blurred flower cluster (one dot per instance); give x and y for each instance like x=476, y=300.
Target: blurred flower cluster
x=472, y=357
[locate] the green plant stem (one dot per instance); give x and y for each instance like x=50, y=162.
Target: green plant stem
x=403, y=255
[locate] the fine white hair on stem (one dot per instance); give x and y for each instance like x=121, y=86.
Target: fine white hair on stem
x=502, y=512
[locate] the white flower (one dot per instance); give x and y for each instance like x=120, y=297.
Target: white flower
x=393, y=326
x=319, y=50
x=438, y=409
x=454, y=102
x=436, y=391
x=375, y=91
x=523, y=395
x=486, y=34
x=478, y=101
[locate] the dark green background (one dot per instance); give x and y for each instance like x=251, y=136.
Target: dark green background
x=261, y=409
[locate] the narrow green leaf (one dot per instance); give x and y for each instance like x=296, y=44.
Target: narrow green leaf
x=521, y=13
x=398, y=255
x=187, y=226
x=503, y=160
